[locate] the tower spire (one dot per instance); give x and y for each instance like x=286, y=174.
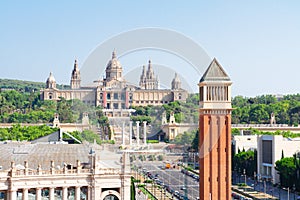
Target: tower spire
x=75, y=77
x=114, y=54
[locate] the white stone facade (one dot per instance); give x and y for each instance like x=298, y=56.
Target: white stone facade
x=97, y=177
x=269, y=150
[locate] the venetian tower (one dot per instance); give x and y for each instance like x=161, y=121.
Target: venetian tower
x=215, y=134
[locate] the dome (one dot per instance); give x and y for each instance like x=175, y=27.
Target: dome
x=51, y=78
x=113, y=63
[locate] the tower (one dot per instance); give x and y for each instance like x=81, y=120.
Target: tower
x=51, y=83
x=143, y=78
x=75, y=78
x=176, y=83
x=148, y=81
x=114, y=69
x=215, y=134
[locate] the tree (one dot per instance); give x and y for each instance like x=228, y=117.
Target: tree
x=64, y=111
x=185, y=139
x=286, y=168
x=245, y=160
x=296, y=157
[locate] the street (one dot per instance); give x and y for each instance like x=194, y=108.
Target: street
x=173, y=180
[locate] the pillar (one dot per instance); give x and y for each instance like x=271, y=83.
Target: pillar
x=123, y=133
x=130, y=133
x=52, y=167
x=138, y=132
x=25, y=194
x=89, y=194
x=145, y=133
x=38, y=193
x=65, y=193
x=12, y=195
x=51, y=194
x=26, y=168
x=77, y=193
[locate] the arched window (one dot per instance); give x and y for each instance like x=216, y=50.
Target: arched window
x=111, y=197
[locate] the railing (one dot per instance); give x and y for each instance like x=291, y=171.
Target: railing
x=22, y=172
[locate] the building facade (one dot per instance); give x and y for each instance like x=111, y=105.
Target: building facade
x=215, y=134
x=113, y=92
x=81, y=172
x=270, y=148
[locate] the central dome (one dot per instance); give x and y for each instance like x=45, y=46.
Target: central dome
x=114, y=62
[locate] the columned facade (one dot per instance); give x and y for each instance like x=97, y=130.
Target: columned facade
x=93, y=183
x=215, y=134
x=113, y=93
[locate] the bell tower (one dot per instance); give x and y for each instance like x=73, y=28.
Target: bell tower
x=75, y=78
x=215, y=134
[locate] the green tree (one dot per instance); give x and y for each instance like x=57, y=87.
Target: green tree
x=245, y=160
x=286, y=168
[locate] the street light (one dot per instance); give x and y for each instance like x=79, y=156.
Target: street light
x=294, y=190
x=265, y=187
x=279, y=188
x=245, y=177
x=239, y=175
x=254, y=175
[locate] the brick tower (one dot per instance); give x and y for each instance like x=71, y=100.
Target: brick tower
x=215, y=134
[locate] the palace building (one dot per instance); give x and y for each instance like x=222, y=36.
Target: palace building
x=113, y=92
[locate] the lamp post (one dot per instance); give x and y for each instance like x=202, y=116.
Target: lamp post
x=294, y=190
x=272, y=182
x=245, y=177
x=279, y=188
x=265, y=187
x=239, y=175
x=254, y=175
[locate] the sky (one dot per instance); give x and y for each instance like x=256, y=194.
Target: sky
x=256, y=42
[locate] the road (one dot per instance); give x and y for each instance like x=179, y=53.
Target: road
x=262, y=186
x=177, y=182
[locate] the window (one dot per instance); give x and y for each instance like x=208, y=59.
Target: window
x=108, y=95
x=116, y=105
x=116, y=96
x=123, y=96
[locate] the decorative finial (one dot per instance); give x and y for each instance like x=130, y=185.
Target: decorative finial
x=114, y=54
x=75, y=64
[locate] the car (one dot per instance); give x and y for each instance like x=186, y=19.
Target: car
x=183, y=188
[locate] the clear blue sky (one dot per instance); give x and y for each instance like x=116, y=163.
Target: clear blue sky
x=257, y=42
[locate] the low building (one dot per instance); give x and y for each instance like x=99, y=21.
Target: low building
x=270, y=149
x=170, y=129
x=246, y=142
x=62, y=171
